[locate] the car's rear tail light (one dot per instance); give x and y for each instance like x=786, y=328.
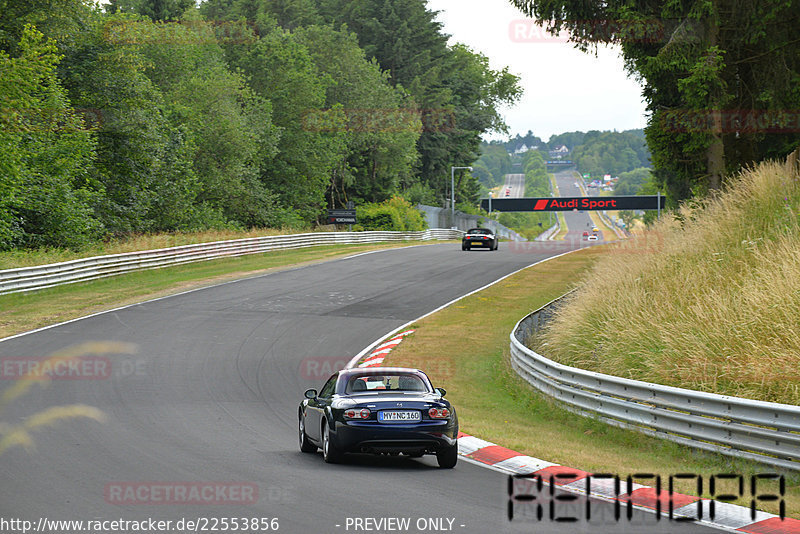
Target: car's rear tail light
x=439, y=413
x=363, y=413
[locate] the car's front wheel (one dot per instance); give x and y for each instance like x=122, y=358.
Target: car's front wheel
x=447, y=457
x=305, y=445
x=329, y=451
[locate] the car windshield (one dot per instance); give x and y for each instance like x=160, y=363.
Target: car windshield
x=389, y=382
x=479, y=231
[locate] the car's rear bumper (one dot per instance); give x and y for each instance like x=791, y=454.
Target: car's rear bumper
x=377, y=437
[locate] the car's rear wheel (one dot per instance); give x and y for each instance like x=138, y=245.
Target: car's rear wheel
x=447, y=457
x=305, y=445
x=329, y=451
x=464, y=247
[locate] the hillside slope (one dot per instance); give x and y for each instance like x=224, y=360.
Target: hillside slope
x=708, y=299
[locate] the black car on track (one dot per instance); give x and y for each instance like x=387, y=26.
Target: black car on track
x=379, y=410
x=479, y=237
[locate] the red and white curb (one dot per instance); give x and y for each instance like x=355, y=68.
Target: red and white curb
x=727, y=516
x=377, y=356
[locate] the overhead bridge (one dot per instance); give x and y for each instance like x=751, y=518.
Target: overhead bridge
x=626, y=202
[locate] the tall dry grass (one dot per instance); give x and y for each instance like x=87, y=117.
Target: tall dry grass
x=708, y=299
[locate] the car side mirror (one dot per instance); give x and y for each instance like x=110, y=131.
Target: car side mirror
x=311, y=393
x=441, y=391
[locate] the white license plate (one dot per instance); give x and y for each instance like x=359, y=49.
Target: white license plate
x=400, y=416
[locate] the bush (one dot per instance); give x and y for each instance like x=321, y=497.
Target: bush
x=393, y=214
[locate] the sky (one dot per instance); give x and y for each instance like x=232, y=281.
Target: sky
x=564, y=89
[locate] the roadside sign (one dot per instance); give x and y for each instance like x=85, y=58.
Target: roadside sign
x=341, y=216
x=628, y=202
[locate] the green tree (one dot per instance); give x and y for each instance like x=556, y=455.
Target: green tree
x=156, y=10
x=106, y=75
x=611, y=152
x=496, y=161
x=45, y=190
x=60, y=20
x=568, y=139
x=381, y=129
x=456, y=91
x=631, y=182
x=228, y=127
x=311, y=141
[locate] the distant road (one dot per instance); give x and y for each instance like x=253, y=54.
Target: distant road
x=577, y=222
x=515, y=185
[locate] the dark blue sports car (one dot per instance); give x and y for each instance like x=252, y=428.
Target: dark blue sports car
x=379, y=410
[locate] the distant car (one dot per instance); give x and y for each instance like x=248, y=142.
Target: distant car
x=379, y=410
x=479, y=237
x=508, y=192
x=595, y=230
x=593, y=237
x=585, y=233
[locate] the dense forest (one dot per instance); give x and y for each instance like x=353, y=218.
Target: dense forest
x=160, y=115
x=593, y=152
x=611, y=152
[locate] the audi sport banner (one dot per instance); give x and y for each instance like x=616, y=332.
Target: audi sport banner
x=630, y=202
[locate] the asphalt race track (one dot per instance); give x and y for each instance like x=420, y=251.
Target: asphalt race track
x=211, y=398
x=577, y=222
x=515, y=183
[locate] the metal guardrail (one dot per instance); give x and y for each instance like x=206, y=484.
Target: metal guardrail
x=763, y=431
x=43, y=276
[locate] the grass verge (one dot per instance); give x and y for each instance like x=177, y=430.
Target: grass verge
x=562, y=225
x=20, y=312
x=562, y=222
x=495, y=404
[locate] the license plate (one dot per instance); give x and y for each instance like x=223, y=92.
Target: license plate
x=399, y=416
x=477, y=242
